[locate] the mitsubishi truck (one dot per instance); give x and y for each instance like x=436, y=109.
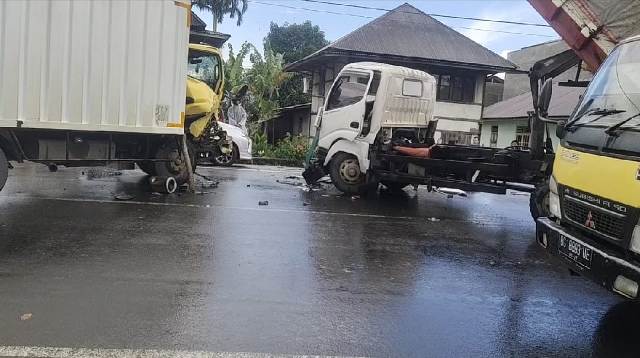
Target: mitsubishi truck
x=593, y=204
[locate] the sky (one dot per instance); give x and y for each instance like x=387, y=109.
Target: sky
x=261, y=13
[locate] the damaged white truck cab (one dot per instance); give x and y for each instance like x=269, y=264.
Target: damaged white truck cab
x=369, y=104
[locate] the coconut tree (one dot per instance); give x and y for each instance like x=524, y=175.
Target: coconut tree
x=221, y=8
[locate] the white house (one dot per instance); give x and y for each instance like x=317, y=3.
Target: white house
x=408, y=37
x=507, y=121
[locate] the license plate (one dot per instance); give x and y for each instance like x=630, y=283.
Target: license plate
x=575, y=251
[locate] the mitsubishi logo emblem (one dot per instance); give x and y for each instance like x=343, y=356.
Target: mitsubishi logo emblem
x=590, y=223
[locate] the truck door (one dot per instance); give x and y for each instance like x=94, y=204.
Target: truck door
x=343, y=116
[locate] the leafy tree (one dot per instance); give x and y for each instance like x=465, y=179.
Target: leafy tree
x=221, y=8
x=234, y=73
x=294, y=42
x=265, y=78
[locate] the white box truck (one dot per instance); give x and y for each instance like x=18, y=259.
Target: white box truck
x=92, y=82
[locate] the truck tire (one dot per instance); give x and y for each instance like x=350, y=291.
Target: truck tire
x=345, y=173
x=4, y=169
x=539, y=201
x=176, y=167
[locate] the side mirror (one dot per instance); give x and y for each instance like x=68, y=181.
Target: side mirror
x=560, y=129
x=544, y=98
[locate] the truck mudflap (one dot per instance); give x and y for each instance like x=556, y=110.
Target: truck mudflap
x=590, y=259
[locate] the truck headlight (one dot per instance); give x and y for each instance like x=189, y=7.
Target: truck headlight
x=554, y=198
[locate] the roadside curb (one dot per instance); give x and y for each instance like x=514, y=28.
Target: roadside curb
x=273, y=161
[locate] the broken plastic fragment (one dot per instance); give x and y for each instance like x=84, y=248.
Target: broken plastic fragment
x=263, y=202
x=123, y=197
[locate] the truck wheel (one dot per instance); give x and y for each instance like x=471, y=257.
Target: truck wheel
x=176, y=166
x=394, y=186
x=345, y=173
x=4, y=169
x=539, y=202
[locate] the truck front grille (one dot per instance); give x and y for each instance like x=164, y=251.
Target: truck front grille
x=594, y=219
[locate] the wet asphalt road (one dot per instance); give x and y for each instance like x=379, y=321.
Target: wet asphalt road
x=410, y=275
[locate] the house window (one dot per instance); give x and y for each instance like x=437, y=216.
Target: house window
x=456, y=88
x=444, y=88
x=493, y=139
x=347, y=90
x=522, y=136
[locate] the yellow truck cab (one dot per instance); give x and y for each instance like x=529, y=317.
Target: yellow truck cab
x=594, y=199
x=205, y=85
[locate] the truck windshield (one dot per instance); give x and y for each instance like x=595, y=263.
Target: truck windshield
x=614, y=93
x=205, y=67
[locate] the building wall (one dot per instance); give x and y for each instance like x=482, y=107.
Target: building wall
x=507, y=132
x=493, y=93
x=517, y=84
x=292, y=122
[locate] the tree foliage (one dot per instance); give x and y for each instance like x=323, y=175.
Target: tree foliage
x=234, y=73
x=294, y=42
x=264, y=78
x=235, y=9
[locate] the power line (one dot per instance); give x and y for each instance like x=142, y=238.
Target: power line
x=373, y=17
x=308, y=9
x=502, y=32
x=430, y=14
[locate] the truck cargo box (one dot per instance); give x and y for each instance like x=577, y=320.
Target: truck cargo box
x=117, y=66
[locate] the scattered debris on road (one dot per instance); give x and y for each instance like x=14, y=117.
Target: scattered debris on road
x=96, y=173
x=263, y=202
x=123, y=197
x=26, y=316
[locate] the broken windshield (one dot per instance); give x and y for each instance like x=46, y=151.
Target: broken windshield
x=205, y=67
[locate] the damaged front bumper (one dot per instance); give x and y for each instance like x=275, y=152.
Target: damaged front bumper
x=599, y=263
x=314, y=166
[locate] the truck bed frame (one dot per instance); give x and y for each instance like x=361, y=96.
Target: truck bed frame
x=467, y=168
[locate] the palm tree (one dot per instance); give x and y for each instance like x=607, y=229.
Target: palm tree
x=220, y=8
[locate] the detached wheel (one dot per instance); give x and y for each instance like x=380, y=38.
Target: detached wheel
x=4, y=169
x=175, y=166
x=345, y=173
x=226, y=160
x=539, y=202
